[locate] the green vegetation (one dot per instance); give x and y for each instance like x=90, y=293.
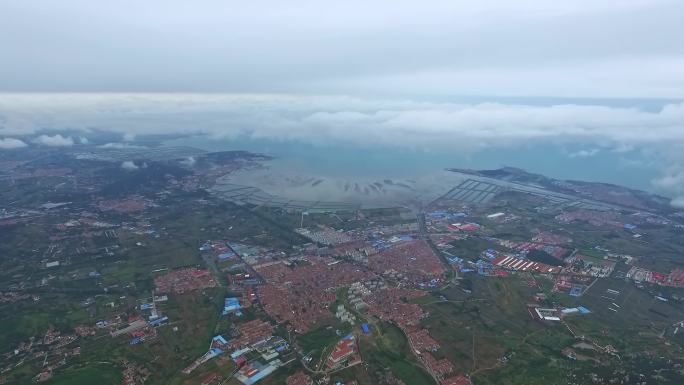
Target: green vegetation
x=387, y=347
x=92, y=374
x=322, y=337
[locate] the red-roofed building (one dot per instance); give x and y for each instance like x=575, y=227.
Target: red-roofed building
x=342, y=350
x=299, y=378
x=422, y=341
x=439, y=368
x=209, y=379
x=240, y=361
x=676, y=278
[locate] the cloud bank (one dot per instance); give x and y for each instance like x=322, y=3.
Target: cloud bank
x=11, y=143
x=314, y=119
x=54, y=141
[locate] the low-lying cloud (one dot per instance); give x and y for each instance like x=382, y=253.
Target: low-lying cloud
x=678, y=202
x=54, y=141
x=129, y=165
x=671, y=178
x=670, y=181
x=120, y=146
x=189, y=161
x=11, y=143
x=319, y=119
x=584, y=153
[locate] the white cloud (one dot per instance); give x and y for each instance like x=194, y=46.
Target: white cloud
x=119, y=146
x=54, y=140
x=584, y=153
x=129, y=137
x=673, y=180
x=11, y=143
x=189, y=161
x=678, y=202
x=345, y=119
x=129, y=165
x=623, y=148
x=670, y=181
x=83, y=140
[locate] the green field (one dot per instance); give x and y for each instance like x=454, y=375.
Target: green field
x=387, y=347
x=88, y=375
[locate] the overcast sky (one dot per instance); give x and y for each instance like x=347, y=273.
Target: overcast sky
x=581, y=48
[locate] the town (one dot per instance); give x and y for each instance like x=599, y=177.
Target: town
x=155, y=280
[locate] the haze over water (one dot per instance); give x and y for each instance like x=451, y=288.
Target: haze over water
x=353, y=161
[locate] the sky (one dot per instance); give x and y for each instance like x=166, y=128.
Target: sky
x=396, y=73
x=579, y=48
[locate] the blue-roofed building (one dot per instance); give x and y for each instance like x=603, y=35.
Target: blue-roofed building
x=280, y=348
x=364, y=328
x=159, y=321
x=437, y=214
x=576, y=290
x=454, y=259
x=219, y=338
x=491, y=253
x=231, y=305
